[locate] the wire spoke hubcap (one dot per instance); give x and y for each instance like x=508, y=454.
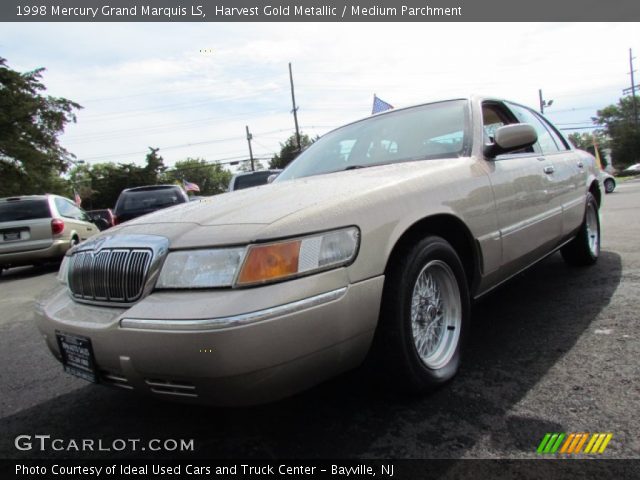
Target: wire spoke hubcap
x=436, y=314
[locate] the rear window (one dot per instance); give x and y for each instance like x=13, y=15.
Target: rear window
x=24, y=210
x=252, y=180
x=149, y=199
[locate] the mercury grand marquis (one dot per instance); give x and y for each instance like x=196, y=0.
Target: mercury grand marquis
x=371, y=244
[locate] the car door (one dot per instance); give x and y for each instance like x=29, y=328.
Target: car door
x=567, y=175
x=528, y=213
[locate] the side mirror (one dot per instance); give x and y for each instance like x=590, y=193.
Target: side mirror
x=272, y=177
x=510, y=138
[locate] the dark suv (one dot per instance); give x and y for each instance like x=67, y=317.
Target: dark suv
x=251, y=179
x=138, y=201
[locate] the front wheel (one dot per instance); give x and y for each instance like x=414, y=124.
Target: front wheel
x=425, y=316
x=584, y=249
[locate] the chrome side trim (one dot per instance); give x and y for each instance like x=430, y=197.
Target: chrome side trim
x=234, y=320
x=577, y=202
x=501, y=282
x=517, y=227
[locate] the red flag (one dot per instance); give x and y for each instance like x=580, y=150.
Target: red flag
x=190, y=187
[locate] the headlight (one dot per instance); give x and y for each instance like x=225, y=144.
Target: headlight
x=201, y=268
x=259, y=263
x=63, y=273
x=289, y=258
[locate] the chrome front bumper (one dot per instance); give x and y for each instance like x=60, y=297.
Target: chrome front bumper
x=224, y=358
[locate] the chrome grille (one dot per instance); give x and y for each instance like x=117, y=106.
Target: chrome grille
x=109, y=275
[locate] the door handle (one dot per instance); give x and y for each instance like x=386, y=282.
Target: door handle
x=549, y=169
x=580, y=164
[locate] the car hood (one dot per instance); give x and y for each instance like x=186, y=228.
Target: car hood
x=240, y=216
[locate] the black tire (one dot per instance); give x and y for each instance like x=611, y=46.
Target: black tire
x=395, y=350
x=584, y=249
x=74, y=241
x=609, y=185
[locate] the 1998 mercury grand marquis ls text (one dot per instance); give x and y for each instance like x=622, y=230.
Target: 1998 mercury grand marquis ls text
x=373, y=241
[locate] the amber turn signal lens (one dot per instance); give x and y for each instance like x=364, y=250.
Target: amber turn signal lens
x=270, y=262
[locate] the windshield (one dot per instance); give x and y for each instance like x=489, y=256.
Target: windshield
x=436, y=130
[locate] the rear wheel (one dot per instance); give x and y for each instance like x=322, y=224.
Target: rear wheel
x=425, y=315
x=584, y=249
x=609, y=185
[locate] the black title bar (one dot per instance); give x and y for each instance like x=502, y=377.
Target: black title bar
x=317, y=11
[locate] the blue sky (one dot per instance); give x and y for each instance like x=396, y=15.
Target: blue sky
x=190, y=89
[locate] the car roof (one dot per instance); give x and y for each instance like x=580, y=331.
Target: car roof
x=27, y=197
x=151, y=188
x=244, y=174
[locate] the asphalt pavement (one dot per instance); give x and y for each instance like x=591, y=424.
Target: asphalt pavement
x=554, y=350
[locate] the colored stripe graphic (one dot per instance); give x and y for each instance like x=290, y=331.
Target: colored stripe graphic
x=568, y=442
x=572, y=443
x=543, y=442
x=607, y=439
x=583, y=439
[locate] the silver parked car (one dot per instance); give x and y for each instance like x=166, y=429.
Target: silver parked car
x=374, y=241
x=39, y=228
x=609, y=182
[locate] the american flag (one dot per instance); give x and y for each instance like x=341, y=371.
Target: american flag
x=190, y=187
x=76, y=198
x=380, y=105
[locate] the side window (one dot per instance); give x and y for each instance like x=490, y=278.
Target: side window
x=68, y=209
x=63, y=207
x=495, y=116
x=84, y=216
x=559, y=139
x=545, y=140
x=492, y=119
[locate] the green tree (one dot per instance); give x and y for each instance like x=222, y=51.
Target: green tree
x=100, y=184
x=585, y=141
x=289, y=150
x=152, y=172
x=81, y=181
x=212, y=178
x=622, y=129
x=31, y=157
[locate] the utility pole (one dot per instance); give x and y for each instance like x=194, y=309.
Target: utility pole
x=249, y=137
x=295, y=109
x=633, y=91
x=543, y=103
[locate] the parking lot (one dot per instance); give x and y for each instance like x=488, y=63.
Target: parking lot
x=555, y=350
